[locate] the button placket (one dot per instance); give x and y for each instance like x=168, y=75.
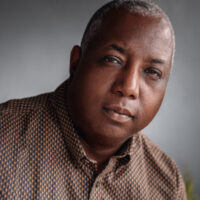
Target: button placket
x=96, y=191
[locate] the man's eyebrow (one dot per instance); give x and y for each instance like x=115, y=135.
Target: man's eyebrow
x=117, y=48
x=157, y=61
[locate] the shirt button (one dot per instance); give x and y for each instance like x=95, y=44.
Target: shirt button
x=97, y=184
x=87, y=161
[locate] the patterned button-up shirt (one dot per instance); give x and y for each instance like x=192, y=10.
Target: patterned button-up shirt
x=41, y=157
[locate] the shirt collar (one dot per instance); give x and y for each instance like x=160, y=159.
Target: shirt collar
x=68, y=129
x=129, y=147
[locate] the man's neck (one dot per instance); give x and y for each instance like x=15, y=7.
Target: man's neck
x=99, y=153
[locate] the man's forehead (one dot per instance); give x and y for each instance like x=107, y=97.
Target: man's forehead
x=133, y=24
x=122, y=30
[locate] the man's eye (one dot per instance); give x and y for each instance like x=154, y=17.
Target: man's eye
x=154, y=73
x=110, y=59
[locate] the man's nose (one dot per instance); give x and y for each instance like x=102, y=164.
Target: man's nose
x=127, y=83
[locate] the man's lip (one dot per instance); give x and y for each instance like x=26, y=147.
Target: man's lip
x=120, y=110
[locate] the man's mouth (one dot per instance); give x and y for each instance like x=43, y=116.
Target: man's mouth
x=118, y=113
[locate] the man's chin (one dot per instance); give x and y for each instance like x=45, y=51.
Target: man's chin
x=112, y=132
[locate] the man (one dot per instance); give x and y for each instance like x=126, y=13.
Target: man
x=83, y=141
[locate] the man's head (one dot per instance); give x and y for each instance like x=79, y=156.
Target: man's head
x=119, y=76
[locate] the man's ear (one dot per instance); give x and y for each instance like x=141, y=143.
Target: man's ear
x=75, y=57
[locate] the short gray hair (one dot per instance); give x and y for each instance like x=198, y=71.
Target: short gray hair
x=142, y=7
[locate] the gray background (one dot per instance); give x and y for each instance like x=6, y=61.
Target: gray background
x=36, y=37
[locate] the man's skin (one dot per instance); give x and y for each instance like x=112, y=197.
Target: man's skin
x=117, y=85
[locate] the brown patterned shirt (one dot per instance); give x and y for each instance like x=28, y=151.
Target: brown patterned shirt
x=41, y=158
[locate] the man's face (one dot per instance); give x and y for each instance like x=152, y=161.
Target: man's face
x=117, y=87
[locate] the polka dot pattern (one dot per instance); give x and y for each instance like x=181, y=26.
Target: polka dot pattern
x=41, y=158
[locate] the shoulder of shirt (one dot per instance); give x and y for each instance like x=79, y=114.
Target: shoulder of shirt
x=163, y=166
x=24, y=105
x=157, y=155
